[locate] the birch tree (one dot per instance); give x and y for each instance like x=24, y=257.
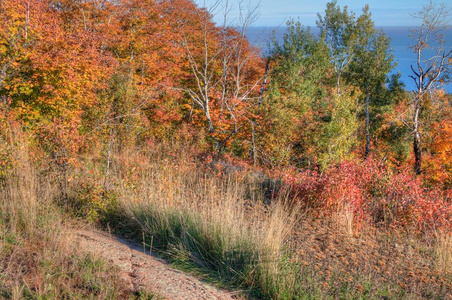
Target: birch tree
x=432, y=69
x=337, y=28
x=225, y=72
x=371, y=63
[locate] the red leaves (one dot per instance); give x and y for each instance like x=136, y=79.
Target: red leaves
x=374, y=193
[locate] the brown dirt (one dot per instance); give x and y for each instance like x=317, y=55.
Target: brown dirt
x=143, y=271
x=384, y=257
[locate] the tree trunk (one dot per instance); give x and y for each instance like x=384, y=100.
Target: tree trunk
x=109, y=150
x=338, y=84
x=417, y=138
x=367, y=126
x=253, y=153
x=216, y=142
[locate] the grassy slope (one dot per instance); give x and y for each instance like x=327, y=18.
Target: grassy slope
x=215, y=220
x=37, y=261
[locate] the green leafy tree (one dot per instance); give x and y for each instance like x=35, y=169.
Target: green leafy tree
x=339, y=135
x=372, y=61
x=298, y=103
x=337, y=28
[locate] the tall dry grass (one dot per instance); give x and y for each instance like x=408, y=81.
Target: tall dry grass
x=443, y=251
x=24, y=198
x=37, y=259
x=220, y=218
x=213, y=219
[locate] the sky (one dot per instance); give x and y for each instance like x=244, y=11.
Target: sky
x=275, y=13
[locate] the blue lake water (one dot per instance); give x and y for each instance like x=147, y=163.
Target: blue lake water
x=400, y=44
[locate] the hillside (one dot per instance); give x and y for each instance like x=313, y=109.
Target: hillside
x=307, y=173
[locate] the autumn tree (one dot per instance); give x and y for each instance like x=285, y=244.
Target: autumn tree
x=143, y=99
x=47, y=91
x=224, y=74
x=430, y=71
x=350, y=53
x=14, y=34
x=437, y=117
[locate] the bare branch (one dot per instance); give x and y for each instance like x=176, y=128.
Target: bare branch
x=429, y=36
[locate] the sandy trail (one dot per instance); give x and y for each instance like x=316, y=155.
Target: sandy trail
x=144, y=271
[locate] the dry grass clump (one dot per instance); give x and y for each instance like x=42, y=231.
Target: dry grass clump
x=443, y=251
x=346, y=219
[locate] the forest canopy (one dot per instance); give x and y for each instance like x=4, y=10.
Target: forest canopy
x=80, y=74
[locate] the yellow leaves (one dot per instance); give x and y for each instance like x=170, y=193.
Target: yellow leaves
x=26, y=90
x=443, y=142
x=3, y=49
x=438, y=165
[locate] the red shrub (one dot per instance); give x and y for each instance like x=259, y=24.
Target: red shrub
x=373, y=192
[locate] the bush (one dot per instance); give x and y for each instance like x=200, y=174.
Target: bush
x=374, y=193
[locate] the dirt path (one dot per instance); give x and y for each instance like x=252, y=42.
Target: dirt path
x=143, y=271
